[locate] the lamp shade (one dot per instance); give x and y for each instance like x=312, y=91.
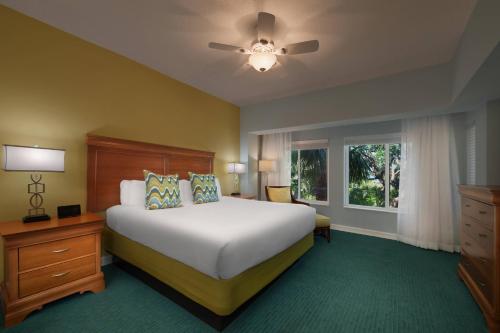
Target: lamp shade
x=238, y=168
x=19, y=158
x=267, y=166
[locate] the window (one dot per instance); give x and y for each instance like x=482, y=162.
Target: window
x=372, y=173
x=310, y=171
x=470, y=148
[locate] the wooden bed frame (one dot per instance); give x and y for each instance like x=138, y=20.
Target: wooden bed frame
x=112, y=160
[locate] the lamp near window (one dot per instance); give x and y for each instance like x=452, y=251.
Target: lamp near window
x=236, y=169
x=266, y=167
x=35, y=160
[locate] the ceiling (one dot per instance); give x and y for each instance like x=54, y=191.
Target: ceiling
x=359, y=39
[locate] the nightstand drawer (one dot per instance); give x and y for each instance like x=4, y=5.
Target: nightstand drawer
x=40, y=255
x=52, y=276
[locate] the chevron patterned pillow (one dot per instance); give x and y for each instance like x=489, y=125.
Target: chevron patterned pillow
x=162, y=191
x=203, y=187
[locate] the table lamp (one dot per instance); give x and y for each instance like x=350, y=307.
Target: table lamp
x=236, y=169
x=35, y=160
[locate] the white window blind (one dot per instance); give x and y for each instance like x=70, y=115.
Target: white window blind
x=310, y=144
x=471, y=154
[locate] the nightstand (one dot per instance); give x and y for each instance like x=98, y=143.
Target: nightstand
x=244, y=196
x=45, y=261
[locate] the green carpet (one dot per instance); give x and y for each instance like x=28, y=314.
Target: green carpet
x=354, y=284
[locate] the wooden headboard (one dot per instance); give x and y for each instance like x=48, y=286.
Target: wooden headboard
x=110, y=161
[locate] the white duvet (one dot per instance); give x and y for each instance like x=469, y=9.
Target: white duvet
x=220, y=239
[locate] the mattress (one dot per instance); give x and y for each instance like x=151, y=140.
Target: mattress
x=221, y=239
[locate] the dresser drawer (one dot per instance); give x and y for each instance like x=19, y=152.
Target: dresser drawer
x=483, y=284
x=52, y=276
x=482, y=258
x=48, y=253
x=478, y=210
x=483, y=236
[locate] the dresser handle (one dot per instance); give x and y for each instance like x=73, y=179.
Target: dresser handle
x=467, y=205
x=483, y=235
x=61, y=250
x=483, y=260
x=467, y=224
x=482, y=212
x=60, y=274
x=481, y=284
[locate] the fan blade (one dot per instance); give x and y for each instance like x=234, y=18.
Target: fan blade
x=225, y=47
x=265, y=27
x=302, y=47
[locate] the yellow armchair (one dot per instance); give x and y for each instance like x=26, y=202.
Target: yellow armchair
x=284, y=194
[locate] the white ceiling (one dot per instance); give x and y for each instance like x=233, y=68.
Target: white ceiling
x=359, y=39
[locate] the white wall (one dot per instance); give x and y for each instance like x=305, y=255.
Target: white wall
x=424, y=90
x=478, y=41
x=493, y=142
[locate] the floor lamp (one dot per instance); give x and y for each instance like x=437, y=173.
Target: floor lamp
x=266, y=167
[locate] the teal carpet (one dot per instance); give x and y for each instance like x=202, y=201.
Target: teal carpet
x=354, y=284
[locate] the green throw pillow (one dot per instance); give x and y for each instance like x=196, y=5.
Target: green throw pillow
x=162, y=191
x=204, y=188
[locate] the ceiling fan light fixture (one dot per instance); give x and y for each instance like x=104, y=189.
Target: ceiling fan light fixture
x=263, y=52
x=262, y=62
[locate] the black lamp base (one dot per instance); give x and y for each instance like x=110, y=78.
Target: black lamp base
x=36, y=218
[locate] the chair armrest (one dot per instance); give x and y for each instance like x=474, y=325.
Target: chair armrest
x=294, y=201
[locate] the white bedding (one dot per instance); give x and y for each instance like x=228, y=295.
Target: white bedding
x=220, y=239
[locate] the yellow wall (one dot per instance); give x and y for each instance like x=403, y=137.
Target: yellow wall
x=56, y=88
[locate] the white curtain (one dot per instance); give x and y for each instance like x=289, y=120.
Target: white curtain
x=428, y=198
x=278, y=147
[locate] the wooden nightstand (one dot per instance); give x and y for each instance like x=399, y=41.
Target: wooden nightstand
x=244, y=196
x=45, y=261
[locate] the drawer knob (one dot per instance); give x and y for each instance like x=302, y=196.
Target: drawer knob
x=60, y=274
x=467, y=205
x=482, y=212
x=483, y=260
x=482, y=284
x=60, y=250
x=467, y=224
x=483, y=235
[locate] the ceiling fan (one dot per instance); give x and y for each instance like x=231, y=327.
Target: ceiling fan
x=263, y=53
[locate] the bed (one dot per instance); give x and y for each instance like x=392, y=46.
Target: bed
x=211, y=258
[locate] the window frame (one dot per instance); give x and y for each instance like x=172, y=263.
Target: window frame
x=321, y=144
x=386, y=140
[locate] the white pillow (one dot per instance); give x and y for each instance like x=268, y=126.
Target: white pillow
x=219, y=189
x=133, y=193
x=186, y=192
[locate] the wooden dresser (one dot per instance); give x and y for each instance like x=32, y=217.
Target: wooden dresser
x=45, y=261
x=480, y=247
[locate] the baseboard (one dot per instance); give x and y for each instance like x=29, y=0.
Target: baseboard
x=362, y=231
x=106, y=259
